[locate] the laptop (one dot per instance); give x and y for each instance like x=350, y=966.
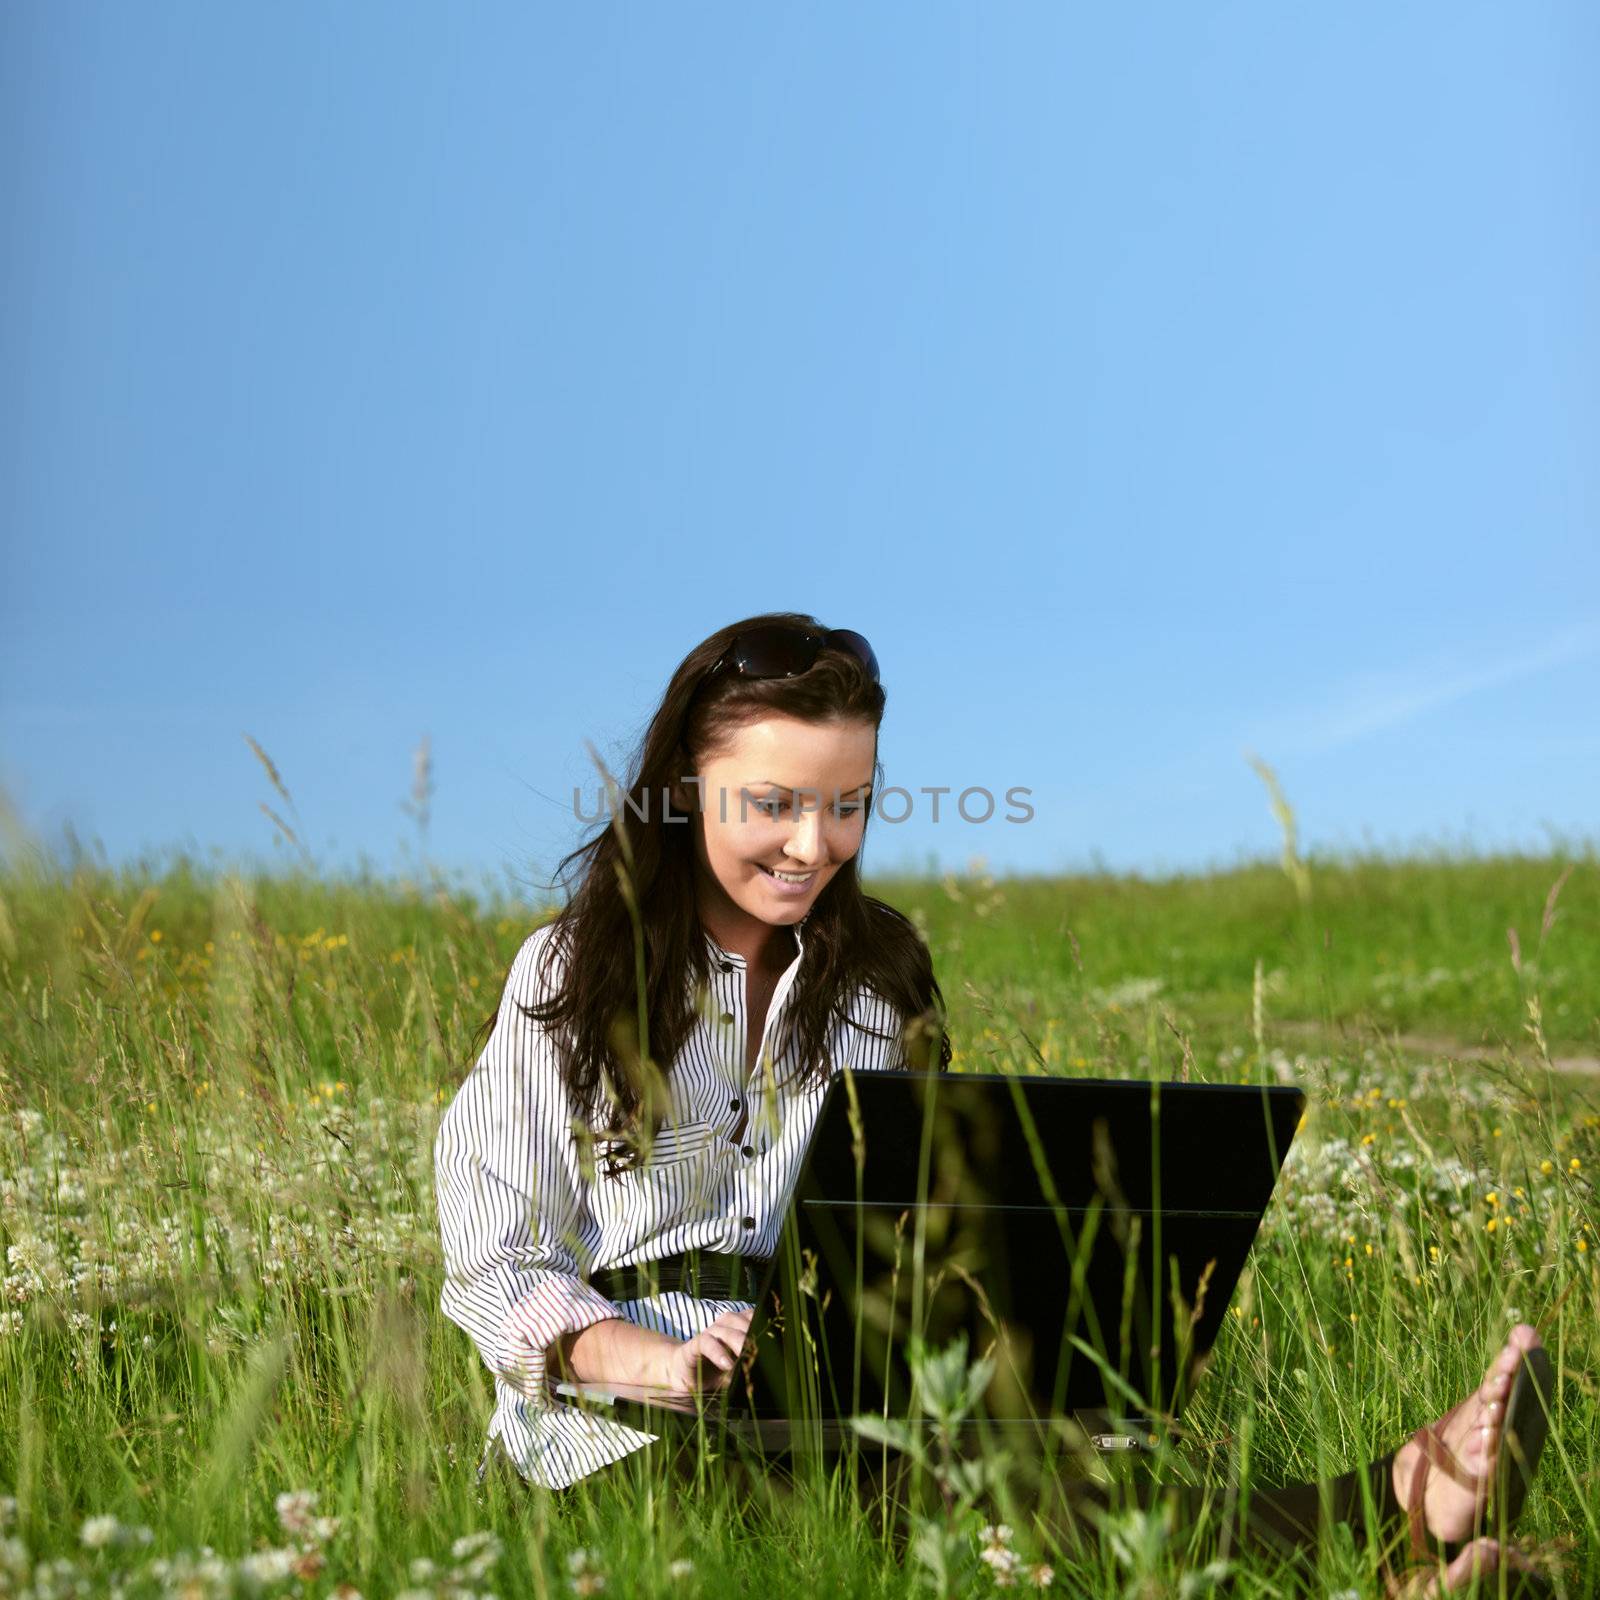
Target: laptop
x=1083, y=1237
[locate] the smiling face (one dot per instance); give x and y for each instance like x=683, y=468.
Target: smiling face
x=783, y=806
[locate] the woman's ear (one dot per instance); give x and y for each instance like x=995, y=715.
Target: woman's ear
x=685, y=795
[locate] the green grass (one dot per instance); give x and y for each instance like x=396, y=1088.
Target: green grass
x=216, y=1107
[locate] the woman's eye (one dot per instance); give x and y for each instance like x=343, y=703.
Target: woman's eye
x=773, y=807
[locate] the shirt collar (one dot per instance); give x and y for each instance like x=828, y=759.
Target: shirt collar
x=721, y=957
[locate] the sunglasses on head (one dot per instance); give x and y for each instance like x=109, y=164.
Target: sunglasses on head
x=779, y=651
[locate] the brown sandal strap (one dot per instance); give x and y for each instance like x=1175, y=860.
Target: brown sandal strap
x=1433, y=1446
x=1416, y=1491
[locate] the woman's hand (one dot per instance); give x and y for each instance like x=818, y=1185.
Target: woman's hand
x=713, y=1353
x=619, y=1351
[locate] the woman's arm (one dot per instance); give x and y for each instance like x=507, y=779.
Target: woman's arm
x=618, y=1351
x=513, y=1215
x=512, y=1202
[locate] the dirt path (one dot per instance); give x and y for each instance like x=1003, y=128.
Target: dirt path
x=1425, y=1044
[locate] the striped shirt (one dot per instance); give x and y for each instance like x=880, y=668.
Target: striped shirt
x=523, y=1229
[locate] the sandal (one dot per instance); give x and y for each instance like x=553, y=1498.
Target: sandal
x=1522, y=1441
x=1516, y=1579
x=1527, y=1422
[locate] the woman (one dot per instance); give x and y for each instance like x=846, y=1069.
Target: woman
x=661, y=1051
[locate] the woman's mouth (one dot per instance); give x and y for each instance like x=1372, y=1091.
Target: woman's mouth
x=794, y=881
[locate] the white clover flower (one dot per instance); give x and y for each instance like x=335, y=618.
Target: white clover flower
x=476, y=1554
x=324, y=1529
x=422, y=1570
x=992, y=1533
x=62, y=1576
x=1042, y=1575
x=586, y=1576
x=1002, y=1562
x=14, y=1558
x=268, y=1566
x=98, y=1532
x=294, y=1509
x=681, y=1568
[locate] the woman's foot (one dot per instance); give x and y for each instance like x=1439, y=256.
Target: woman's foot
x=1463, y=1460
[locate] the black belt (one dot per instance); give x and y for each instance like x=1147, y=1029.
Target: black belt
x=705, y=1274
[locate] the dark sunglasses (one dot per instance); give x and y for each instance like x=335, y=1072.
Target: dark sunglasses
x=777, y=651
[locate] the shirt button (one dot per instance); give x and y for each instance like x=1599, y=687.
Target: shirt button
x=727, y=1016
x=749, y=1150
x=733, y=1105
x=727, y=966
x=747, y=1223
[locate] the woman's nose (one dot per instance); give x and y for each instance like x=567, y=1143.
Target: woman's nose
x=805, y=840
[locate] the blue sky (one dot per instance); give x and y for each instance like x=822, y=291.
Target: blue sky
x=1151, y=388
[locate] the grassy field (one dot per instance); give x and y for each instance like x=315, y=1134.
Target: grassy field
x=222, y=1368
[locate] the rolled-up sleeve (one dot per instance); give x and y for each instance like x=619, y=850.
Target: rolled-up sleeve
x=513, y=1213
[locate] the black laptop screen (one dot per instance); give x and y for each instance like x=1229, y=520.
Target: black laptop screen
x=1087, y=1234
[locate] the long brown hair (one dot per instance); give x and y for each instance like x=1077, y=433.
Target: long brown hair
x=851, y=938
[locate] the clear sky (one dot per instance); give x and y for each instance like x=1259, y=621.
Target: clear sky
x=1151, y=385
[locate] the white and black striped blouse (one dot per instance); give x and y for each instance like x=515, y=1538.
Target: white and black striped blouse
x=523, y=1230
